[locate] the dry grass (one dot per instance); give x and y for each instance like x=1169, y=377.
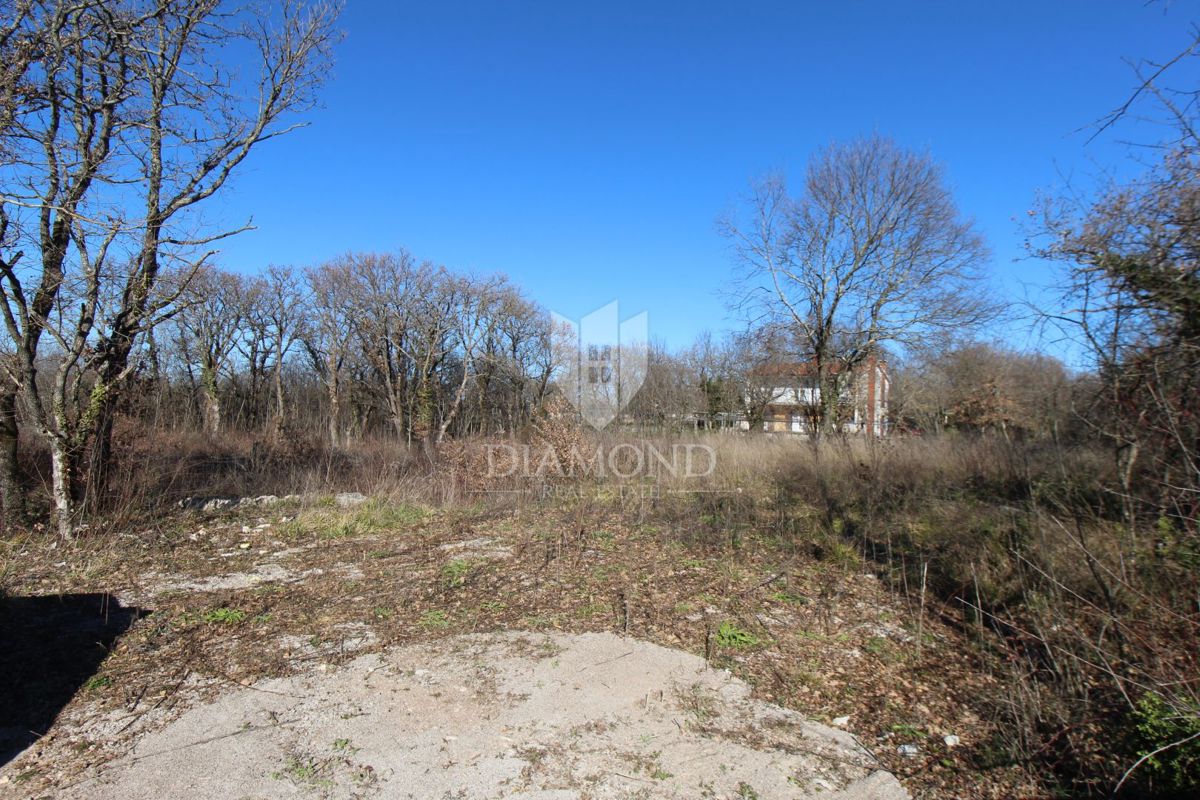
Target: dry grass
x=818, y=636
x=1037, y=619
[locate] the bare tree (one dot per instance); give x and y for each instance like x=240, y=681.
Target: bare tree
x=522, y=357
x=978, y=386
x=209, y=324
x=273, y=312
x=872, y=251
x=285, y=303
x=202, y=120
x=129, y=116
x=64, y=125
x=477, y=308
x=1131, y=305
x=327, y=337
x=20, y=40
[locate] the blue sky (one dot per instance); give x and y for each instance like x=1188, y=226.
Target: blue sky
x=586, y=149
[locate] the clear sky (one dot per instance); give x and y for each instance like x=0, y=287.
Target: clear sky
x=586, y=149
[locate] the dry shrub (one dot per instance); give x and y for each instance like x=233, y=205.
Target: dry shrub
x=1088, y=619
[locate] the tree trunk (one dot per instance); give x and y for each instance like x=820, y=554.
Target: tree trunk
x=99, y=456
x=10, y=484
x=829, y=389
x=60, y=487
x=279, y=401
x=333, y=387
x=211, y=401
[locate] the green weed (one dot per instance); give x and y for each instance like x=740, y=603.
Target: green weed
x=733, y=637
x=223, y=616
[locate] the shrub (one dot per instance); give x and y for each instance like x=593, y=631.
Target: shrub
x=1167, y=737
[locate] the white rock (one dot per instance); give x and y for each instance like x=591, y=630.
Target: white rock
x=908, y=750
x=951, y=740
x=349, y=499
x=841, y=722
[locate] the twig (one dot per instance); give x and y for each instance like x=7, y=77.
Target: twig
x=767, y=582
x=606, y=661
x=1150, y=755
x=186, y=673
x=921, y=617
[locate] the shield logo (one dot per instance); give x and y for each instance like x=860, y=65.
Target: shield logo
x=602, y=361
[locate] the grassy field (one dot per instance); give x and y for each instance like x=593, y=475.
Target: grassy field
x=909, y=591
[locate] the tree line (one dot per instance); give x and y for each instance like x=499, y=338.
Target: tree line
x=365, y=345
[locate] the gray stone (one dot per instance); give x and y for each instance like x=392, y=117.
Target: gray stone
x=492, y=716
x=349, y=499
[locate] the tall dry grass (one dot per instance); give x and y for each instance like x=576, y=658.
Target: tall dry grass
x=1086, y=617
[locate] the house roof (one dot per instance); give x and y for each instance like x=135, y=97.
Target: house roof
x=799, y=369
x=802, y=369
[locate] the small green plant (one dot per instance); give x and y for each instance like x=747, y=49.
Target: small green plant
x=381, y=613
x=303, y=772
x=878, y=646
x=434, y=619
x=98, y=682
x=699, y=704
x=733, y=637
x=344, y=747
x=455, y=572
x=746, y=792
x=592, y=610
x=909, y=731
x=223, y=616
